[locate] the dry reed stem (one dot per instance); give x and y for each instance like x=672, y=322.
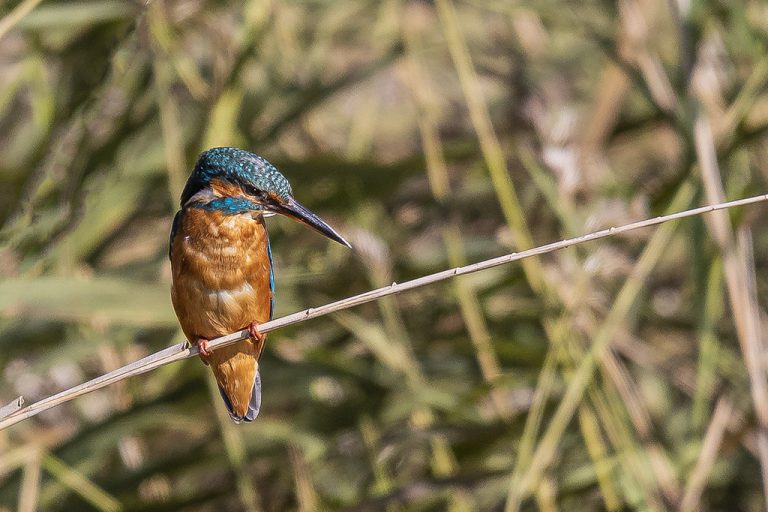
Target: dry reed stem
x=560, y=331
x=30, y=483
x=604, y=466
x=79, y=483
x=173, y=145
x=522, y=482
x=306, y=495
x=739, y=279
x=493, y=155
x=14, y=459
x=710, y=446
x=16, y=15
x=623, y=395
x=439, y=184
x=184, y=350
x=11, y=407
x=490, y=146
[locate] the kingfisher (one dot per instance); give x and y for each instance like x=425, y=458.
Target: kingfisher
x=221, y=264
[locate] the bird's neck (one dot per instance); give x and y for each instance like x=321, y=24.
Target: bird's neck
x=212, y=200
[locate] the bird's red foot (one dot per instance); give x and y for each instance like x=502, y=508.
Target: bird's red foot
x=259, y=339
x=202, y=349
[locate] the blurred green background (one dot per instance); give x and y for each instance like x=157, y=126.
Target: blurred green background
x=430, y=134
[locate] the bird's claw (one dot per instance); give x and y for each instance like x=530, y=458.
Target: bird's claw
x=253, y=330
x=202, y=349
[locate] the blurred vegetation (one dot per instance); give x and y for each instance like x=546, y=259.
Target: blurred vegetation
x=430, y=134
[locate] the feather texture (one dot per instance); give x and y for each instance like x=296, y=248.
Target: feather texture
x=222, y=281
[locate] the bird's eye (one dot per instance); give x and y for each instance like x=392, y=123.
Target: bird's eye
x=255, y=192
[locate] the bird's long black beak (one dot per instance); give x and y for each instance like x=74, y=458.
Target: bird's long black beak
x=296, y=210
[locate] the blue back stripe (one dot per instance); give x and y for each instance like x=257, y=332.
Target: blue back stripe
x=271, y=279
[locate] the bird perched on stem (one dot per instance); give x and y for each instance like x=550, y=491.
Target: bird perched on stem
x=222, y=264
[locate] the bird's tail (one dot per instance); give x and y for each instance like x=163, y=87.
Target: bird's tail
x=236, y=368
x=253, y=404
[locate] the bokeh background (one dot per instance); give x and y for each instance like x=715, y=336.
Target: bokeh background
x=430, y=134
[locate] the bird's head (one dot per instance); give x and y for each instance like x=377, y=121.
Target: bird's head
x=234, y=181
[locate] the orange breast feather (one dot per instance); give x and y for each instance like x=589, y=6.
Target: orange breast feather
x=221, y=284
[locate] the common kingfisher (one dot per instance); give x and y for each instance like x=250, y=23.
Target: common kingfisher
x=221, y=263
